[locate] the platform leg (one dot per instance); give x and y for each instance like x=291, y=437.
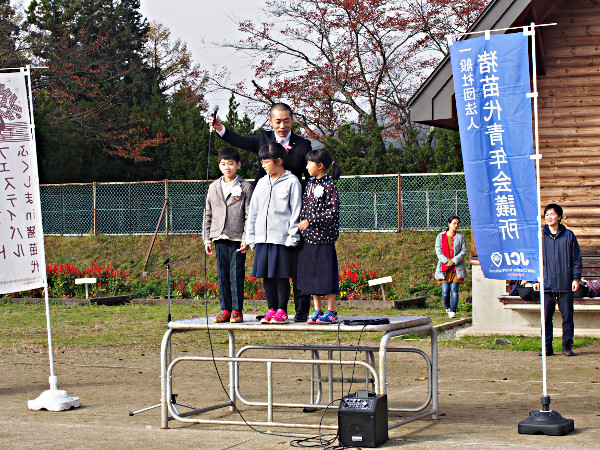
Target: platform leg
x=164, y=410
x=233, y=371
x=383, y=364
x=270, y=391
x=434, y=373
x=330, y=376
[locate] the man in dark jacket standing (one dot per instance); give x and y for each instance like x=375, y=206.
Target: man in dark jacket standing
x=281, y=120
x=562, y=273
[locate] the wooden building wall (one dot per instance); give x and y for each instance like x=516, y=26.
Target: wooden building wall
x=569, y=117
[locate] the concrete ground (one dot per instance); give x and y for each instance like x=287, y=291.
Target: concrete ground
x=483, y=396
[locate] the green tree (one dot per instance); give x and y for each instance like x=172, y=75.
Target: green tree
x=11, y=42
x=438, y=150
x=178, y=111
x=360, y=149
x=182, y=154
x=241, y=125
x=65, y=157
x=126, y=100
x=95, y=79
x=447, y=155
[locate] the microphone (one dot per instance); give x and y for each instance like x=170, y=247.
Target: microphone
x=213, y=114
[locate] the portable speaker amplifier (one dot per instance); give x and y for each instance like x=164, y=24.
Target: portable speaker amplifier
x=363, y=420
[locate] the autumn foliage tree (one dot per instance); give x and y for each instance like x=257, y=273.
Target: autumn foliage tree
x=340, y=61
x=173, y=61
x=96, y=84
x=436, y=19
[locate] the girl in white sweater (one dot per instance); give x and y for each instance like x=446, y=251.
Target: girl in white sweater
x=272, y=230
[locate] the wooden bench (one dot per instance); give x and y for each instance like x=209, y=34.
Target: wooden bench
x=517, y=303
x=590, y=267
x=590, y=270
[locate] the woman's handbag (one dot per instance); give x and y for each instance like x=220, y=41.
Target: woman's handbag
x=527, y=293
x=593, y=288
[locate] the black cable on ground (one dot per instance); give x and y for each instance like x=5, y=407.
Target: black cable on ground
x=307, y=442
x=207, y=318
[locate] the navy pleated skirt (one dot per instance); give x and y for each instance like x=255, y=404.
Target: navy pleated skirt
x=318, y=269
x=273, y=261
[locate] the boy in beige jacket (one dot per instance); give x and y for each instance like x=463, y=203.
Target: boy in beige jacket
x=225, y=213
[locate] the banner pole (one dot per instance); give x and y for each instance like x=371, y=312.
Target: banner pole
x=52, y=399
x=450, y=38
x=537, y=158
x=50, y=353
x=545, y=420
x=26, y=71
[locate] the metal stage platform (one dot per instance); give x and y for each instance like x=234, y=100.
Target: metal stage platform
x=375, y=369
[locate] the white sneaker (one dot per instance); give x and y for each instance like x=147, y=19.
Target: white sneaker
x=451, y=314
x=447, y=310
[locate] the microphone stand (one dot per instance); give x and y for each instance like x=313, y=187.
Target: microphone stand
x=166, y=263
x=210, y=133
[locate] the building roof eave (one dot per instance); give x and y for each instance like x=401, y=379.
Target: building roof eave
x=433, y=102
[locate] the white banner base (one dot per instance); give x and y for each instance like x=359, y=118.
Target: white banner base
x=53, y=399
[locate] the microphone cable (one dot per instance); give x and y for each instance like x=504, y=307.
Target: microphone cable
x=297, y=440
x=305, y=442
x=320, y=441
x=225, y=389
x=206, y=301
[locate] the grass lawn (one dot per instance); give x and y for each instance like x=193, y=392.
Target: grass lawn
x=132, y=327
x=409, y=257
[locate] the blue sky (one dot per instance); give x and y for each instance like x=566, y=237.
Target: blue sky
x=200, y=22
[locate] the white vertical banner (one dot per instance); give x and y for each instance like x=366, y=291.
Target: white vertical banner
x=22, y=258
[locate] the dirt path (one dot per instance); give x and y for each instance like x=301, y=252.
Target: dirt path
x=483, y=396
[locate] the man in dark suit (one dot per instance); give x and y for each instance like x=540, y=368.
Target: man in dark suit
x=281, y=120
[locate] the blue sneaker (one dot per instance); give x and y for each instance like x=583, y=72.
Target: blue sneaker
x=315, y=316
x=328, y=317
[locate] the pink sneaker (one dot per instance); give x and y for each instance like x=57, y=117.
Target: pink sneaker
x=268, y=316
x=280, y=317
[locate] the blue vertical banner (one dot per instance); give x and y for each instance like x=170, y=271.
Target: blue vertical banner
x=491, y=83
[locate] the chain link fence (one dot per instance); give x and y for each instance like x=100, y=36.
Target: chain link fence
x=428, y=200
x=67, y=209
x=368, y=202
x=383, y=203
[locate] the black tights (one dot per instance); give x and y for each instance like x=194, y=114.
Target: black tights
x=277, y=291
